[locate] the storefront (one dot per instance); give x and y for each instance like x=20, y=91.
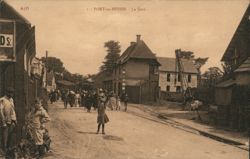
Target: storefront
x=17, y=49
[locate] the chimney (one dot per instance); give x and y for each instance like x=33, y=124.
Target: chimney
x=132, y=43
x=138, y=38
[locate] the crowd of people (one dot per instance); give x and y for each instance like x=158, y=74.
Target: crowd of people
x=91, y=98
x=98, y=99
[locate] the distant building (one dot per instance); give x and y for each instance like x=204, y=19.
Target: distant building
x=103, y=80
x=51, y=81
x=136, y=73
x=169, y=77
x=37, y=68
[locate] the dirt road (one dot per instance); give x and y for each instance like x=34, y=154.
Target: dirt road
x=127, y=137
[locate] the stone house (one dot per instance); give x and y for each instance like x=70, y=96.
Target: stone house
x=169, y=77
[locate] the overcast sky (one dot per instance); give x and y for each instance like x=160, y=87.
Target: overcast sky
x=75, y=31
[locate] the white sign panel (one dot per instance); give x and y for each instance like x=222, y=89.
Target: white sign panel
x=6, y=40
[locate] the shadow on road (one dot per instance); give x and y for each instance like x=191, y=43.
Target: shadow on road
x=81, y=132
x=111, y=137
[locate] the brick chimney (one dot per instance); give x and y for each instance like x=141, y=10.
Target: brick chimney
x=138, y=38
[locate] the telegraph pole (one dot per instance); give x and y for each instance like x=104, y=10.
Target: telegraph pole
x=46, y=68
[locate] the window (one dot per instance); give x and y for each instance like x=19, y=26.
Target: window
x=168, y=77
x=168, y=88
x=189, y=78
x=178, y=88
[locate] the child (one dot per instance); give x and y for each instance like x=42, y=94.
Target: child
x=36, y=119
x=102, y=118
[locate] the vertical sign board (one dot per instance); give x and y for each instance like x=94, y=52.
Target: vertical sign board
x=7, y=41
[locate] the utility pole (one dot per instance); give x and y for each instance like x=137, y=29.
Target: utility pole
x=46, y=68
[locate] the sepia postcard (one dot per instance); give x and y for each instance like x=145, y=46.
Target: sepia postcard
x=124, y=79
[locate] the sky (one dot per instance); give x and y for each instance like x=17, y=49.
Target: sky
x=75, y=30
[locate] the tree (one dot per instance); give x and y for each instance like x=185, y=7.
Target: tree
x=113, y=53
x=199, y=62
x=189, y=55
x=54, y=64
x=213, y=75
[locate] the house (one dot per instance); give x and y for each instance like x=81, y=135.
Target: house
x=37, y=68
x=169, y=77
x=242, y=73
x=136, y=73
x=103, y=80
x=234, y=109
x=17, y=49
x=238, y=49
x=51, y=81
x=64, y=84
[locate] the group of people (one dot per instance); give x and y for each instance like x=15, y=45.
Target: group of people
x=8, y=123
x=99, y=99
x=90, y=99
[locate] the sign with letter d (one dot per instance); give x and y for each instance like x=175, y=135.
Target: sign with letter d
x=7, y=41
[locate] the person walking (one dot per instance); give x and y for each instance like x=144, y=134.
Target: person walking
x=8, y=119
x=89, y=101
x=125, y=100
x=102, y=117
x=65, y=98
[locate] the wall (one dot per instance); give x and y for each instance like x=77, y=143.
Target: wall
x=137, y=69
x=163, y=83
x=243, y=78
x=225, y=94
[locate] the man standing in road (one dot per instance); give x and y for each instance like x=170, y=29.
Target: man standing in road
x=7, y=118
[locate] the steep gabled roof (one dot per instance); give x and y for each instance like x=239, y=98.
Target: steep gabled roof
x=8, y=12
x=242, y=30
x=169, y=65
x=245, y=67
x=138, y=50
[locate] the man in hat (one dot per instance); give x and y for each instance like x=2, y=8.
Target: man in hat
x=7, y=118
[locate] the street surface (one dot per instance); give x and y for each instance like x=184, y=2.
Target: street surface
x=73, y=133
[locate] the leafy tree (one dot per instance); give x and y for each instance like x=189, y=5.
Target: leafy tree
x=54, y=64
x=189, y=55
x=113, y=53
x=199, y=62
x=213, y=75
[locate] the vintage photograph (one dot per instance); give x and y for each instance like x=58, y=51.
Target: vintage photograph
x=124, y=79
